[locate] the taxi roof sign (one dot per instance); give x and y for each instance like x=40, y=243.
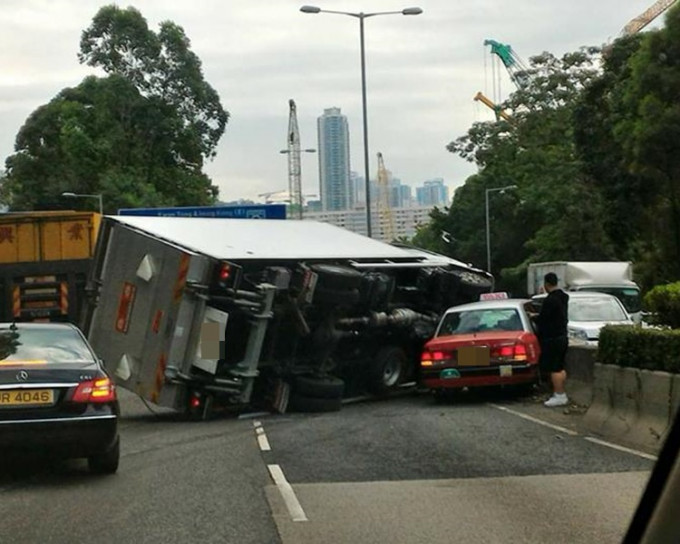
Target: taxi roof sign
x=500, y=295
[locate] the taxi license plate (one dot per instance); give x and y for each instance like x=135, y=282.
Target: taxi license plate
x=505, y=371
x=26, y=397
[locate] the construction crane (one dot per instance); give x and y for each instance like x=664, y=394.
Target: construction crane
x=516, y=69
x=512, y=62
x=294, y=169
x=641, y=21
x=384, y=204
x=500, y=113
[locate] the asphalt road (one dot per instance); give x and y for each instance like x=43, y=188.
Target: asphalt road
x=401, y=470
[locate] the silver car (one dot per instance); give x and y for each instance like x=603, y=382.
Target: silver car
x=589, y=312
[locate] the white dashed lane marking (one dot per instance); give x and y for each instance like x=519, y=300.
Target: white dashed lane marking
x=294, y=507
x=261, y=437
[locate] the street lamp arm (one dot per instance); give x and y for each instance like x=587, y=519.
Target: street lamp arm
x=361, y=15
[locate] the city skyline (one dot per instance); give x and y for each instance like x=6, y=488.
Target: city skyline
x=422, y=73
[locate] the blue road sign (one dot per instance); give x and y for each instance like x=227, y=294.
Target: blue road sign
x=257, y=211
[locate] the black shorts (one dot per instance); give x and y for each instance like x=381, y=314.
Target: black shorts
x=553, y=354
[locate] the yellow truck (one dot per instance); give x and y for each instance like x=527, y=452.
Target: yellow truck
x=45, y=258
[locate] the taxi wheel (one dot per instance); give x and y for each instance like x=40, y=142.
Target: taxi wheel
x=107, y=462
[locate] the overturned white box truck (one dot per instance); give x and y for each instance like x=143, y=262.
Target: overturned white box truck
x=195, y=313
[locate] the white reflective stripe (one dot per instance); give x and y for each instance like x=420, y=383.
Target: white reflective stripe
x=55, y=420
x=294, y=508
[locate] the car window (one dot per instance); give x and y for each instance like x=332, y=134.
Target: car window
x=493, y=319
x=629, y=297
x=53, y=345
x=595, y=309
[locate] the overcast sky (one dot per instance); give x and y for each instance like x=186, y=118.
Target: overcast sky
x=422, y=72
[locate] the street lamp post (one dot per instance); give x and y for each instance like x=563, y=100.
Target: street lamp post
x=98, y=197
x=361, y=16
x=488, y=227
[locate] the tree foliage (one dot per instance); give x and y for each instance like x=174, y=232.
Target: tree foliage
x=593, y=149
x=138, y=136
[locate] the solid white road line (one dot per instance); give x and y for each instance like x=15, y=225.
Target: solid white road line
x=294, y=508
x=536, y=420
x=621, y=448
x=261, y=437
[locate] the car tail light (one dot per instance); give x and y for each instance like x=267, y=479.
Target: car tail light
x=520, y=352
x=195, y=401
x=515, y=352
x=225, y=272
x=96, y=391
x=429, y=358
x=227, y=275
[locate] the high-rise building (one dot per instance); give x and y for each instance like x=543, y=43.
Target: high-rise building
x=433, y=193
x=359, y=185
x=335, y=186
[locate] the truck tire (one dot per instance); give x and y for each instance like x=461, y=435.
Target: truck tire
x=301, y=403
x=387, y=369
x=323, y=295
x=319, y=387
x=340, y=278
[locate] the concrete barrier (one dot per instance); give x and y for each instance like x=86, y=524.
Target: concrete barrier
x=625, y=398
x=580, y=367
x=675, y=396
x=632, y=406
x=654, y=411
x=602, y=405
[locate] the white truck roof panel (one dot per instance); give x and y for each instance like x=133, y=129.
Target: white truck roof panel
x=252, y=239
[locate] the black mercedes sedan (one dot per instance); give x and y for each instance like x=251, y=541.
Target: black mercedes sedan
x=55, y=396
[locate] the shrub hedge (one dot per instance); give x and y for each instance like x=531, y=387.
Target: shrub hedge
x=664, y=304
x=637, y=347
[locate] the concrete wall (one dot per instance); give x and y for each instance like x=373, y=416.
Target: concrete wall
x=630, y=405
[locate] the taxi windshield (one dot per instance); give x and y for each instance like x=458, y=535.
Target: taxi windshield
x=48, y=344
x=480, y=320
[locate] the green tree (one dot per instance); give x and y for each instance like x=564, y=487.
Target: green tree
x=138, y=136
x=648, y=130
x=554, y=212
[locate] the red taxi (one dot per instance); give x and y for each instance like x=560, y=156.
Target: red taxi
x=491, y=342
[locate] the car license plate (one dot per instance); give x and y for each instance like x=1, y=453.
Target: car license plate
x=505, y=371
x=26, y=397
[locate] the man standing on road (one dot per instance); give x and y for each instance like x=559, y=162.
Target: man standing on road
x=552, y=335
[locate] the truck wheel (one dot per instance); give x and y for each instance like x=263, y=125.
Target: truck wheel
x=301, y=403
x=324, y=387
x=387, y=369
x=107, y=462
x=333, y=276
x=324, y=295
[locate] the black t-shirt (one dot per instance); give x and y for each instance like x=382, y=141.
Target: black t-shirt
x=553, y=318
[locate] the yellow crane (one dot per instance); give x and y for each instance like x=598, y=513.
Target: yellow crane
x=641, y=21
x=384, y=205
x=500, y=113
